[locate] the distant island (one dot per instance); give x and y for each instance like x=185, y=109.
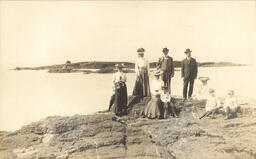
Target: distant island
x=108, y=67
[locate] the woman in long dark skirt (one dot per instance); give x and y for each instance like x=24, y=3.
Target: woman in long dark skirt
x=141, y=88
x=119, y=81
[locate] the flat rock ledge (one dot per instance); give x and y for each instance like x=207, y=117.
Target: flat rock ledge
x=106, y=136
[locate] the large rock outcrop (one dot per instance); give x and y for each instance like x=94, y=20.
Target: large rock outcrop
x=103, y=135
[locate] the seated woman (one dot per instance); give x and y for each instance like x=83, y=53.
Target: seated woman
x=153, y=108
x=166, y=102
x=120, y=102
x=230, y=107
x=202, y=90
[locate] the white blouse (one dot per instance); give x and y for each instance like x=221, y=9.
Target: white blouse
x=202, y=92
x=212, y=103
x=165, y=97
x=230, y=102
x=141, y=63
x=119, y=77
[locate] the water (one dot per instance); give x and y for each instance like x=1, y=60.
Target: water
x=28, y=96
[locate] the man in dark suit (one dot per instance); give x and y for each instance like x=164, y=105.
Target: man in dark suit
x=188, y=73
x=165, y=64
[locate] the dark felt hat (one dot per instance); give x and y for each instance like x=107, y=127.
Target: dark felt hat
x=165, y=49
x=188, y=51
x=141, y=50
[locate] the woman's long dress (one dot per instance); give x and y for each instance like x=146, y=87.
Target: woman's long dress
x=202, y=92
x=141, y=87
x=154, y=107
x=120, y=103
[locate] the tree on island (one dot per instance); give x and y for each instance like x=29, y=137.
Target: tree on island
x=67, y=64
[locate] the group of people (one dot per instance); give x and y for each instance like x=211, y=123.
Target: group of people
x=159, y=89
x=229, y=107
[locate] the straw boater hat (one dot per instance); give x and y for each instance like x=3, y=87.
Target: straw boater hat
x=230, y=92
x=165, y=50
x=188, y=51
x=204, y=79
x=211, y=90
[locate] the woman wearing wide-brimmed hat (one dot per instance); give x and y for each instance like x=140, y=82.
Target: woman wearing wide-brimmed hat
x=141, y=88
x=119, y=81
x=153, y=109
x=202, y=90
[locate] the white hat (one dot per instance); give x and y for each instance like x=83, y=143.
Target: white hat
x=230, y=92
x=211, y=90
x=204, y=79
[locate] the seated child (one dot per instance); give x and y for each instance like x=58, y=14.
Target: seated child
x=230, y=105
x=212, y=104
x=166, y=100
x=212, y=101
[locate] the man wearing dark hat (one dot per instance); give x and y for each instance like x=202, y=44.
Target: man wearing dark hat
x=165, y=64
x=188, y=73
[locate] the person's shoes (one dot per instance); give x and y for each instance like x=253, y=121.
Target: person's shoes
x=228, y=117
x=159, y=117
x=212, y=117
x=189, y=99
x=234, y=115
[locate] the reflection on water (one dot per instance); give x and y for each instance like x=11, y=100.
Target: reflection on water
x=28, y=96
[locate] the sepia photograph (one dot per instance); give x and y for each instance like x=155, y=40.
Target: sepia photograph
x=129, y=79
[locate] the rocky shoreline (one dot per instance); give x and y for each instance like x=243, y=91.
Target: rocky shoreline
x=103, y=135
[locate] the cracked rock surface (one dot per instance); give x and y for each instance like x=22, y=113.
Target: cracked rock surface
x=103, y=135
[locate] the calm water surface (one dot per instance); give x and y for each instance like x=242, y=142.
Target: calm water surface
x=28, y=96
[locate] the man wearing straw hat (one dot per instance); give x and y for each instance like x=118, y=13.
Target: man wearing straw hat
x=166, y=66
x=188, y=73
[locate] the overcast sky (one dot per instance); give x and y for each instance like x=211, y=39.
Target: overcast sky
x=42, y=33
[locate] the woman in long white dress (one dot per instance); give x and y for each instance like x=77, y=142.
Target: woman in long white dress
x=141, y=88
x=202, y=90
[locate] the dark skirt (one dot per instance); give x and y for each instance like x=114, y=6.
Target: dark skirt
x=153, y=108
x=165, y=112
x=141, y=87
x=120, y=103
